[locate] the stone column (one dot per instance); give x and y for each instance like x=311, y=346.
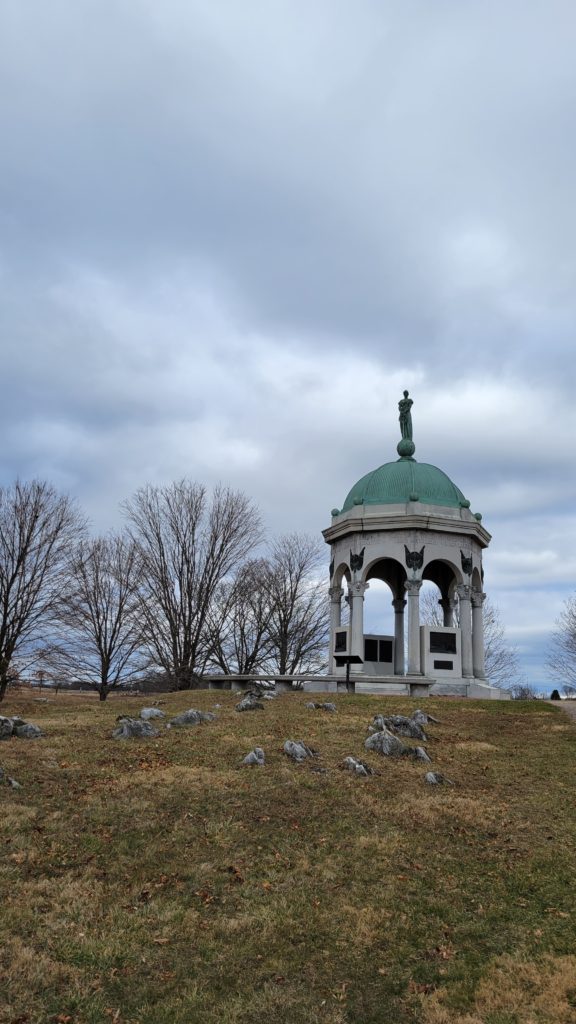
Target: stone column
x=479, y=669
x=464, y=591
x=447, y=606
x=398, y=605
x=335, y=619
x=412, y=588
x=356, y=593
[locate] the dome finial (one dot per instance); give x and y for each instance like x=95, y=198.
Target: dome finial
x=406, y=446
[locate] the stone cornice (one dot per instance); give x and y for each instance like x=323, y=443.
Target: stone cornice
x=400, y=517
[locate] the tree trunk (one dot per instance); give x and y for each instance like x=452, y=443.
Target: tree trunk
x=102, y=692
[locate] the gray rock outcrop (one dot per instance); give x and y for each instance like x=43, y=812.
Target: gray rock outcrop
x=385, y=743
x=133, y=728
x=146, y=714
x=7, y=780
x=18, y=727
x=6, y=728
x=190, y=717
x=255, y=758
x=326, y=706
x=352, y=764
x=436, y=779
x=27, y=731
x=250, y=702
x=298, y=751
x=400, y=725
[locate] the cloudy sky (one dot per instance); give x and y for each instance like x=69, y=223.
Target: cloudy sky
x=231, y=233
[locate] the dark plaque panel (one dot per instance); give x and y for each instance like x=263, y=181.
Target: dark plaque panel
x=444, y=664
x=339, y=643
x=370, y=650
x=385, y=650
x=442, y=643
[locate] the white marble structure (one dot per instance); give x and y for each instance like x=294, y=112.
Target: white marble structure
x=404, y=523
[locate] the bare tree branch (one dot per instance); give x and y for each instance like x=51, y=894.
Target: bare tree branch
x=299, y=620
x=561, y=658
x=100, y=640
x=188, y=545
x=38, y=528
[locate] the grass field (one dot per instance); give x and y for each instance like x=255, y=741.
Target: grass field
x=158, y=882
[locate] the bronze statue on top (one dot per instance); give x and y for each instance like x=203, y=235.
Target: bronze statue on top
x=404, y=406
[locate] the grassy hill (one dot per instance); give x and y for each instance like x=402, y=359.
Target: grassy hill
x=159, y=882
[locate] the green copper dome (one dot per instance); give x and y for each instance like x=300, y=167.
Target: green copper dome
x=396, y=483
x=405, y=480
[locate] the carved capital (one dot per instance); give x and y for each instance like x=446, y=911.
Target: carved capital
x=335, y=594
x=464, y=591
x=477, y=598
x=412, y=587
x=357, y=589
x=447, y=604
x=399, y=605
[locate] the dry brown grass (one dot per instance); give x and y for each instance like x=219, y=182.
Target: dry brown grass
x=159, y=882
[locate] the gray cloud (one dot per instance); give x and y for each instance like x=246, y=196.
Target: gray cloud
x=231, y=234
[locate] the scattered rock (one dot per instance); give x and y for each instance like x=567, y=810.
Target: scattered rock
x=351, y=764
x=5, y=728
x=8, y=780
x=129, y=728
x=419, y=754
x=436, y=779
x=399, y=724
x=326, y=706
x=255, y=757
x=18, y=727
x=385, y=743
x=27, y=731
x=298, y=751
x=422, y=718
x=250, y=702
x=147, y=713
x=191, y=717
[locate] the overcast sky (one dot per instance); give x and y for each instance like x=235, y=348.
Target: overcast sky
x=231, y=233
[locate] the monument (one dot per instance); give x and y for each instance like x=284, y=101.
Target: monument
x=406, y=522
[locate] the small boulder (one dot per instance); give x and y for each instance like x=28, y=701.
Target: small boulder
x=326, y=706
x=190, y=717
x=422, y=718
x=250, y=702
x=351, y=764
x=255, y=758
x=133, y=728
x=385, y=743
x=147, y=713
x=298, y=751
x=419, y=754
x=6, y=728
x=436, y=779
x=399, y=724
x=8, y=780
x=27, y=731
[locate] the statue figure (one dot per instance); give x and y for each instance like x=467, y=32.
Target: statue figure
x=357, y=561
x=404, y=406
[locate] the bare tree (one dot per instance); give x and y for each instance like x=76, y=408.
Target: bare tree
x=38, y=528
x=239, y=620
x=100, y=641
x=299, y=619
x=501, y=659
x=561, y=658
x=188, y=545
